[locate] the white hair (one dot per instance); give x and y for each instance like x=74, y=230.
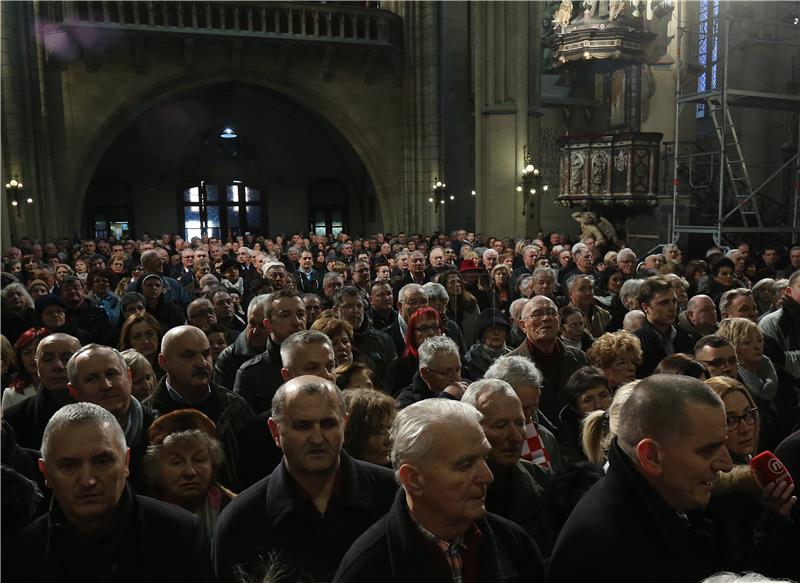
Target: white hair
x=260, y=301
x=434, y=345
x=410, y=287
x=515, y=309
x=435, y=291
x=485, y=388
x=573, y=279
x=728, y=577
x=515, y=370
x=633, y=320
x=626, y=252
x=412, y=432
x=79, y=414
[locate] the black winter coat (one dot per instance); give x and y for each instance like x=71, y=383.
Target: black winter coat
x=653, y=347
x=273, y=516
x=660, y=546
x=230, y=359
x=152, y=542
x=260, y=377
x=393, y=551
x=30, y=417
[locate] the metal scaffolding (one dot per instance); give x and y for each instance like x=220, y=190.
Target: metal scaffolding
x=728, y=176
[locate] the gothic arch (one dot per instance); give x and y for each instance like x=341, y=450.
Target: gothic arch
x=160, y=92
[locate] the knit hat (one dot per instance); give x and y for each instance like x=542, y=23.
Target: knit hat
x=177, y=421
x=492, y=318
x=33, y=282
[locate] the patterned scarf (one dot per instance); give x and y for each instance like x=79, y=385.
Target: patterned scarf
x=533, y=448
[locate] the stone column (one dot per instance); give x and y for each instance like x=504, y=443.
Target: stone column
x=24, y=136
x=507, y=42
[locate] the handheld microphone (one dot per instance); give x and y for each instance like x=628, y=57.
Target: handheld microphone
x=769, y=469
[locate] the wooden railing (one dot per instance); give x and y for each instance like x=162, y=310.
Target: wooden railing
x=279, y=20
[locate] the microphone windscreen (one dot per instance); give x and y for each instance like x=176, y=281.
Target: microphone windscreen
x=769, y=469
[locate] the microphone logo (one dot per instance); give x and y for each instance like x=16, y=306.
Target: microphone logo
x=775, y=466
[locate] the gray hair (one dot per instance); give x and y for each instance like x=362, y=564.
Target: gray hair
x=674, y=276
x=136, y=361
x=412, y=435
x=657, y=410
x=348, y=291
x=573, y=279
x=728, y=577
x=527, y=248
x=434, y=345
x=633, y=318
x=515, y=309
x=630, y=289
x=435, y=291
x=485, y=388
x=247, y=249
x=626, y=252
x=295, y=343
x=79, y=414
x=260, y=301
x=410, y=287
x=515, y=370
x=667, y=247
x=20, y=288
x=548, y=271
x=72, y=364
x=329, y=276
x=318, y=386
x=489, y=252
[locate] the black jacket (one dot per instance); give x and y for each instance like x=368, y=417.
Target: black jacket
x=660, y=546
x=30, y=417
x=307, y=285
x=152, y=541
x=653, y=347
x=376, y=348
x=259, y=378
x=230, y=359
x=394, y=551
x=273, y=516
x=227, y=410
x=554, y=382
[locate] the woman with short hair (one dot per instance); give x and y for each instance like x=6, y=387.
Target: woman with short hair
x=618, y=354
x=369, y=417
x=182, y=463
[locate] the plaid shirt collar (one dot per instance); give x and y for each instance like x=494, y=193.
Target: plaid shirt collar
x=453, y=552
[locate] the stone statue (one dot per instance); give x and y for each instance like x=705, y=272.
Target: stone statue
x=593, y=225
x=615, y=8
x=563, y=15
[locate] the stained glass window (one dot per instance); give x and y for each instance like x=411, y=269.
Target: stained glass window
x=707, y=49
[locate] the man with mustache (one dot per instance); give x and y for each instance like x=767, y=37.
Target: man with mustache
x=316, y=502
x=438, y=528
x=186, y=358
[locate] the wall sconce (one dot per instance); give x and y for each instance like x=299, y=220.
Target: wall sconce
x=439, y=194
x=14, y=192
x=531, y=184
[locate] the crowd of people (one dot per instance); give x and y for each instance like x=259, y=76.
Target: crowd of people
x=396, y=408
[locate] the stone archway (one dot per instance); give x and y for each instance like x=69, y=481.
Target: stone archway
x=374, y=153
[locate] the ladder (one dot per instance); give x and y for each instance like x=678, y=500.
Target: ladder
x=735, y=165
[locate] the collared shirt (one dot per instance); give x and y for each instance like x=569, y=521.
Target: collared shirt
x=453, y=552
x=175, y=396
x=669, y=339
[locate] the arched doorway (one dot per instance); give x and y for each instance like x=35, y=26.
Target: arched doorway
x=176, y=156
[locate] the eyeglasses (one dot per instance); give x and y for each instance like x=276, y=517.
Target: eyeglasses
x=539, y=314
x=750, y=417
x=718, y=362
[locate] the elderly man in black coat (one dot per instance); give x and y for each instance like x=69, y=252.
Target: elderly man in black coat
x=97, y=529
x=438, y=528
x=316, y=502
x=663, y=465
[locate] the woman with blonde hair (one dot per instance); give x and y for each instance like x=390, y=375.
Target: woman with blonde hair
x=600, y=427
x=143, y=379
x=772, y=390
x=618, y=354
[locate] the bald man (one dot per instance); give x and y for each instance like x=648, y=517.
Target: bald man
x=30, y=417
x=186, y=358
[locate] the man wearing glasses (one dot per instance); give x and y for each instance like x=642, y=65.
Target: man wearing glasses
x=718, y=356
x=552, y=356
x=439, y=373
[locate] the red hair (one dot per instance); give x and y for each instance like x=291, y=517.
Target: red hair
x=411, y=343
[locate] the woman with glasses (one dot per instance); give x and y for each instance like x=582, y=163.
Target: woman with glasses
x=772, y=389
x=573, y=328
x=617, y=354
x=423, y=324
x=739, y=506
